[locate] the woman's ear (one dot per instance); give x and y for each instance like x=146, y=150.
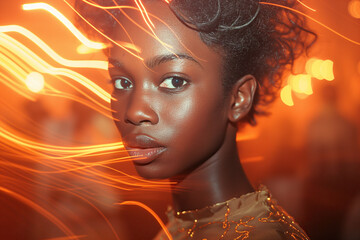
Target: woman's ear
x=242, y=95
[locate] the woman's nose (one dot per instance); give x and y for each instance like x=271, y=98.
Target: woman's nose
x=139, y=110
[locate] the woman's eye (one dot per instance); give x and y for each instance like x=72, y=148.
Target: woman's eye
x=173, y=83
x=122, y=83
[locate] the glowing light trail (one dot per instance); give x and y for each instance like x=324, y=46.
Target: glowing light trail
x=39, y=209
x=121, y=44
x=102, y=34
x=144, y=14
x=69, y=63
x=313, y=19
x=73, y=151
x=105, y=7
x=66, y=22
x=306, y=6
x=67, y=238
x=149, y=210
x=14, y=86
x=43, y=67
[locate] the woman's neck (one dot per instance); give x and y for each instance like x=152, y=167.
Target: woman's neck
x=218, y=179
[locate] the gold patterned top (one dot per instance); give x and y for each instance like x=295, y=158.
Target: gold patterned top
x=252, y=216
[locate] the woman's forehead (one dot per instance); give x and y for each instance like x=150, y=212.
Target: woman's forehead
x=167, y=35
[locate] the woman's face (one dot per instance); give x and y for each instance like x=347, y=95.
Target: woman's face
x=170, y=108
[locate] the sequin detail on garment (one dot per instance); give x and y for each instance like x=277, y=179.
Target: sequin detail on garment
x=252, y=216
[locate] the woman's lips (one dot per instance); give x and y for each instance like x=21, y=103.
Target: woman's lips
x=144, y=156
x=143, y=148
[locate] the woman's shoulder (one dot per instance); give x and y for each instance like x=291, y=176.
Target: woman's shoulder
x=252, y=216
x=258, y=216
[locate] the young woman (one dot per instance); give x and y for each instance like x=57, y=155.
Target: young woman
x=207, y=67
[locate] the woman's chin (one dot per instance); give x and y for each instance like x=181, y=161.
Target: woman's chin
x=151, y=172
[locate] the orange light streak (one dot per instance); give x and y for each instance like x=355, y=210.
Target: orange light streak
x=149, y=210
x=14, y=62
x=58, y=150
x=15, y=86
x=306, y=6
x=313, y=19
x=68, y=63
x=100, y=213
x=131, y=45
x=102, y=34
x=144, y=14
x=67, y=238
x=63, y=160
x=152, y=34
x=83, y=169
x=39, y=209
x=71, y=27
x=105, y=7
x=43, y=67
x=66, y=22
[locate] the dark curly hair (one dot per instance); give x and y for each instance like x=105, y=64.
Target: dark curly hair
x=253, y=37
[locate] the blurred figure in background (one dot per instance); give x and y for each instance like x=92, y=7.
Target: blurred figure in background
x=333, y=164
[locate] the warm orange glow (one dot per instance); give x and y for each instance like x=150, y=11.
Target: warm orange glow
x=149, y=210
x=309, y=64
x=354, y=8
x=320, y=69
x=63, y=159
x=130, y=46
x=144, y=14
x=66, y=22
x=69, y=63
x=105, y=7
x=285, y=95
x=83, y=49
x=316, y=69
x=102, y=34
x=306, y=6
x=30, y=58
x=247, y=134
x=326, y=70
x=39, y=209
x=35, y=82
x=300, y=83
x=313, y=19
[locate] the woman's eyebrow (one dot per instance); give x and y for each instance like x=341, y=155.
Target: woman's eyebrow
x=115, y=63
x=157, y=60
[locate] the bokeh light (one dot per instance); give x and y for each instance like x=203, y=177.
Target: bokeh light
x=35, y=82
x=320, y=69
x=300, y=83
x=285, y=96
x=354, y=8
